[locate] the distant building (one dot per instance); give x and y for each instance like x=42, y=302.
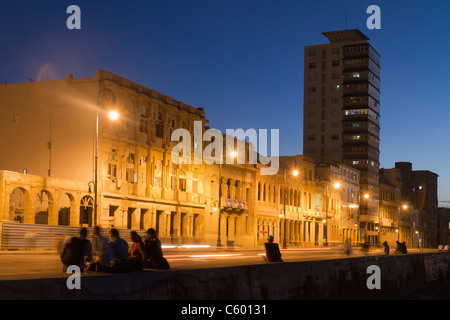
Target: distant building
x=341, y=114
x=419, y=193
x=342, y=185
x=395, y=221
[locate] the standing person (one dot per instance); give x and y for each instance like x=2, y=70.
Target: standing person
x=137, y=252
x=386, y=248
x=77, y=251
x=155, y=259
x=273, y=253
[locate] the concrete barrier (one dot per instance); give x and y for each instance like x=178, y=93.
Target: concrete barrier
x=326, y=279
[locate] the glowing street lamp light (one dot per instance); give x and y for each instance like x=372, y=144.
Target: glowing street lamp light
x=113, y=115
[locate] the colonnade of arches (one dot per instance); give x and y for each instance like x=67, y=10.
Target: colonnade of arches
x=309, y=232
x=52, y=207
x=273, y=194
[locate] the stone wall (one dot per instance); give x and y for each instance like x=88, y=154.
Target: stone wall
x=327, y=279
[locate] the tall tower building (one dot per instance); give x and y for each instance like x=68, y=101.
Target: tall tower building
x=341, y=120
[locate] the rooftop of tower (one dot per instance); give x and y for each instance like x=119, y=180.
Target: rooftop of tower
x=345, y=35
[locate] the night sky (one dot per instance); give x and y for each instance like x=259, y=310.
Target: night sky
x=242, y=60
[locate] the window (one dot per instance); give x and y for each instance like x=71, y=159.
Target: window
x=131, y=176
x=311, y=138
x=335, y=63
x=312, y=65
x=335, y=87
x=143, y=125
x=312, y=89
x=182, y=184
x=112, y=171
x=173, y=182
x=335, y=51
x=131, y=158
x=159, y=126
x=335, y=137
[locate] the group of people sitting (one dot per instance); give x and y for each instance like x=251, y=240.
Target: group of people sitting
x=114, y=255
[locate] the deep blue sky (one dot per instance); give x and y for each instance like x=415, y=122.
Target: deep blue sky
x=242, y=60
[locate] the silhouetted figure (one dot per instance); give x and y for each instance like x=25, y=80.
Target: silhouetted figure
x=137, y=252
x=77, y=251
x=398, y=248
x=155, y=259
x=403, y=248
x=273, y=253
x=386, y=248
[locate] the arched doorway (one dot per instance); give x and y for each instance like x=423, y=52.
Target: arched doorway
x=86, y=209
x=17, y=205
x=42, y=204
x=64, y=210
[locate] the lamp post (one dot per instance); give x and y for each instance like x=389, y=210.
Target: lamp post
x=294, y=173
x=219, y=241
x=336, y=185
x=113, y=115
x=365, y=196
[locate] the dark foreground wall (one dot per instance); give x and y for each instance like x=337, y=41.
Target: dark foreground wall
x=330, y=279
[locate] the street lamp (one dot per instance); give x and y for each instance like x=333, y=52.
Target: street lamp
x=219, y=241
x=113, y=115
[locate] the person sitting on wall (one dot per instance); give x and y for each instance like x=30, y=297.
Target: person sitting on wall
x=273, y=253
x=155, y=258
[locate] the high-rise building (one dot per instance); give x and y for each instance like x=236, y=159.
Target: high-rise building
x=341, y=120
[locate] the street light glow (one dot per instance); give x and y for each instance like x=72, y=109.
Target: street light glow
x=337, y=185
x=366, y=196
x=295, y=173
x=405, y=206
x=113, y=115
x=233, y=154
